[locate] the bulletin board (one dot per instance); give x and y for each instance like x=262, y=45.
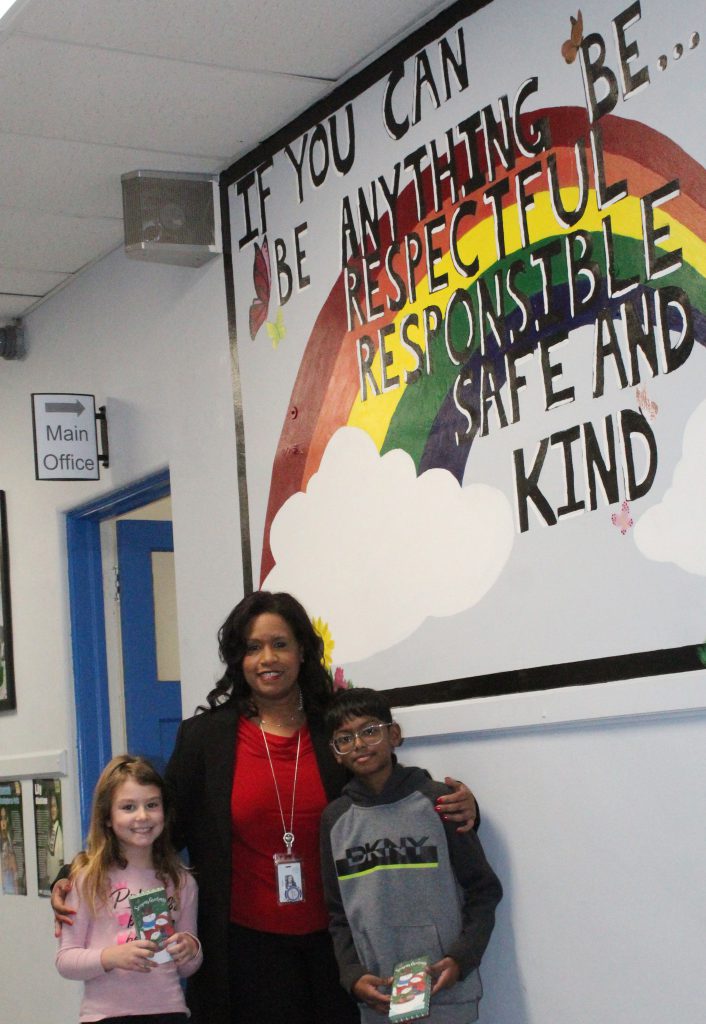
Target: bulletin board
x=467, y=301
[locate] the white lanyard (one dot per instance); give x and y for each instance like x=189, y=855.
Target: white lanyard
x=288, y=835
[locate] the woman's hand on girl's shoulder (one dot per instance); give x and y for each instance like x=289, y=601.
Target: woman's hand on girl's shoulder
x=63, y=914
x=131, y=956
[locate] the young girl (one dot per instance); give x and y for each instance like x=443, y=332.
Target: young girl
x=128, y=851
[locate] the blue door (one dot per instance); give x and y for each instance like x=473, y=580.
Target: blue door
x=152, y=705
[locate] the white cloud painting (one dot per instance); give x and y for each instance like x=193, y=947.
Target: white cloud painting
x=374, y=549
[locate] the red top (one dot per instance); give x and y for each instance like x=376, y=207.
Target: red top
x=257, y=831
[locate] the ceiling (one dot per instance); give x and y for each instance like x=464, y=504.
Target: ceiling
x=94, y=88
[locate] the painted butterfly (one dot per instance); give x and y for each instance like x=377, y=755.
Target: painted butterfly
x=623, y=520
x=262, y=280
x=645, y=404
x=276, y=329
x=570, y=48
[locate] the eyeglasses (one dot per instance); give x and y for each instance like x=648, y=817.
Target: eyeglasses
x=371, y=735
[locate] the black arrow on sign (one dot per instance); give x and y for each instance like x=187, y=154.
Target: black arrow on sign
x=76, y=407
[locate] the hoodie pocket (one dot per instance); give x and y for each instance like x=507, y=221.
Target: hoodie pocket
x=380, y=952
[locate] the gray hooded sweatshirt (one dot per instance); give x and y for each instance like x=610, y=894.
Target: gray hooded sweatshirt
x=400, y=883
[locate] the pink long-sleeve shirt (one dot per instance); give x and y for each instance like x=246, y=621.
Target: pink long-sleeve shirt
x=119, y=992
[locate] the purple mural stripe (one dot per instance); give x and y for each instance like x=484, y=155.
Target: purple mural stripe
x=441, y=450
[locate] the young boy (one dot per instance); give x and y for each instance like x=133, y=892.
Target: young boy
x=399, y=882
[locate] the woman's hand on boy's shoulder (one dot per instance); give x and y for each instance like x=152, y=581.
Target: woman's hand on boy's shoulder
x=458, y=805
x=367, y=990
x=445, y=973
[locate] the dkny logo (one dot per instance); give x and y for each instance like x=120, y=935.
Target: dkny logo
x=386, y=852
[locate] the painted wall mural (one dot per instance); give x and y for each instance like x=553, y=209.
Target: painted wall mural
x=471, y=318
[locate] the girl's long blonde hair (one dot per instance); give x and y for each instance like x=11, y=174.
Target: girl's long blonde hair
x=92, y=867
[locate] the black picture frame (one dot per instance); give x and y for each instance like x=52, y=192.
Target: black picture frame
x=8, y=700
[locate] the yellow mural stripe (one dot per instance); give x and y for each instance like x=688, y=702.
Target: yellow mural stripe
x=374, y=415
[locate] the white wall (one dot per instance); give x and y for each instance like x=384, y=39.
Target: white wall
x=151, y=343
x=592, y=799
x=596, y=830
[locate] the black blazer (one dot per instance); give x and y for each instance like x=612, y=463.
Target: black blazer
x=200, y=778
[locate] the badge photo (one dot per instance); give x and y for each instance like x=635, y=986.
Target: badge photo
x=290, y=881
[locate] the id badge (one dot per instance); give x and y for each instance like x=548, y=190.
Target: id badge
x=289, y=878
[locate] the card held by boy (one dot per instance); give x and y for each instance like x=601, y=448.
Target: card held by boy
x=411, y=990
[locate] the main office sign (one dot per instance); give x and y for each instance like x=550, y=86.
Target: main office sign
x=65, y=442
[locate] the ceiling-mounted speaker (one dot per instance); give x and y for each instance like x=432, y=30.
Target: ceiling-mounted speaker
x=12, y=341
x=171, y=217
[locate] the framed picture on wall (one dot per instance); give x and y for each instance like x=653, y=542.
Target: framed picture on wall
x=7, y=675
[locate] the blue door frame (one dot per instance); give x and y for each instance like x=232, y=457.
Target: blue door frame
x=152, y=703
x=88, y=643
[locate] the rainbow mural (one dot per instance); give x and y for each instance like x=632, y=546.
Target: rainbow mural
x=420, y=415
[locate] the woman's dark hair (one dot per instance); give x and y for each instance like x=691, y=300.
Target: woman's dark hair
x=314, y=680
x=358, y=702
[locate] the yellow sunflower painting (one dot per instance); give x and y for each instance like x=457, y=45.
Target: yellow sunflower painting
x=324, y=632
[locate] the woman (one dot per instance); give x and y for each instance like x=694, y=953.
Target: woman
x=251, y=775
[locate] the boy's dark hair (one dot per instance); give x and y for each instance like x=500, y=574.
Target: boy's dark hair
x=357, y=702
